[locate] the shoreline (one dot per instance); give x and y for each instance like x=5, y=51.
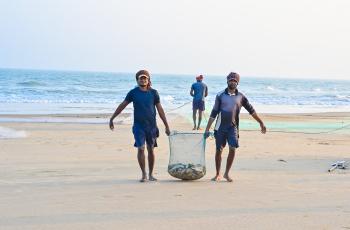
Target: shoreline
x=308, y=123
x=326, y=119
x=126, y=114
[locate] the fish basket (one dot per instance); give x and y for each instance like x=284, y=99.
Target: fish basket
x=187, y=155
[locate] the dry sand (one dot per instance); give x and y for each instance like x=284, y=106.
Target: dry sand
x=84, y=176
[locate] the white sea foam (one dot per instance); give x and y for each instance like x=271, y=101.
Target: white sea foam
x=168, y=98
x=7, y=133
x=345, y=98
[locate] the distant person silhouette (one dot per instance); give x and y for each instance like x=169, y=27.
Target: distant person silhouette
x=199, y=91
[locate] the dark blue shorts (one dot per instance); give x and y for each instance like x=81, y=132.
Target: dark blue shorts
x=145, y=134
x=198, y=104
x=230, y=135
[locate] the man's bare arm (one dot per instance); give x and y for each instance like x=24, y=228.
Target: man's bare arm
x=262, y=126
x=119, y=109
x=162, y=116
x=210, y=122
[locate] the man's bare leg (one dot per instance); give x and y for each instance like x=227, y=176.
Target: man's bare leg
x=230, y=158
x=199, y=119
x=217, y=165
x=151, y=159
x=194, y=114
x=141, y=160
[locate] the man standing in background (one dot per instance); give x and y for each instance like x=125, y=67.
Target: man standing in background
x=199, y=91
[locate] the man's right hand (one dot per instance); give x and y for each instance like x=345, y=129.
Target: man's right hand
x=167, y=131
x=111, y=125
x=263, y=128
x=206, y=134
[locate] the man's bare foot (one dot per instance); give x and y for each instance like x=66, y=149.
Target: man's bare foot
x=152, y=178
x=144, y=178
x=228, y=178
x=216, y=178
x=199, y=128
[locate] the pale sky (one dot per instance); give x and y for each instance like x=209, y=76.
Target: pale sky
x=270, y=38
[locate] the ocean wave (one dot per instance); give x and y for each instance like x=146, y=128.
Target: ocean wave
x=58, y=101
x=31, y=83
x=343, y=97
x=168, y=98
x=172, y=101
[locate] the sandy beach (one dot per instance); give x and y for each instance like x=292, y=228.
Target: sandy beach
x=84, y=176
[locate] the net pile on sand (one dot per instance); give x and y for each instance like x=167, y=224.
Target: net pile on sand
x=187, y=155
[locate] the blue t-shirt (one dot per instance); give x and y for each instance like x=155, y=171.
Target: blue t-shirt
x=199, y=89
x=144, y=106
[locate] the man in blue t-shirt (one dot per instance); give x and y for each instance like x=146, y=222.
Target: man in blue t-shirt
x=145, y=100
x=199, y=91
x=227, y=107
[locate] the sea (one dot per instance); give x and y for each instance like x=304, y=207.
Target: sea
x=77, y=92
x=44, y=94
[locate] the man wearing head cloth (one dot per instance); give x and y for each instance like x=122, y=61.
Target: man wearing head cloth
x=145, y=100
x=227, y=107
x=199, y=91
